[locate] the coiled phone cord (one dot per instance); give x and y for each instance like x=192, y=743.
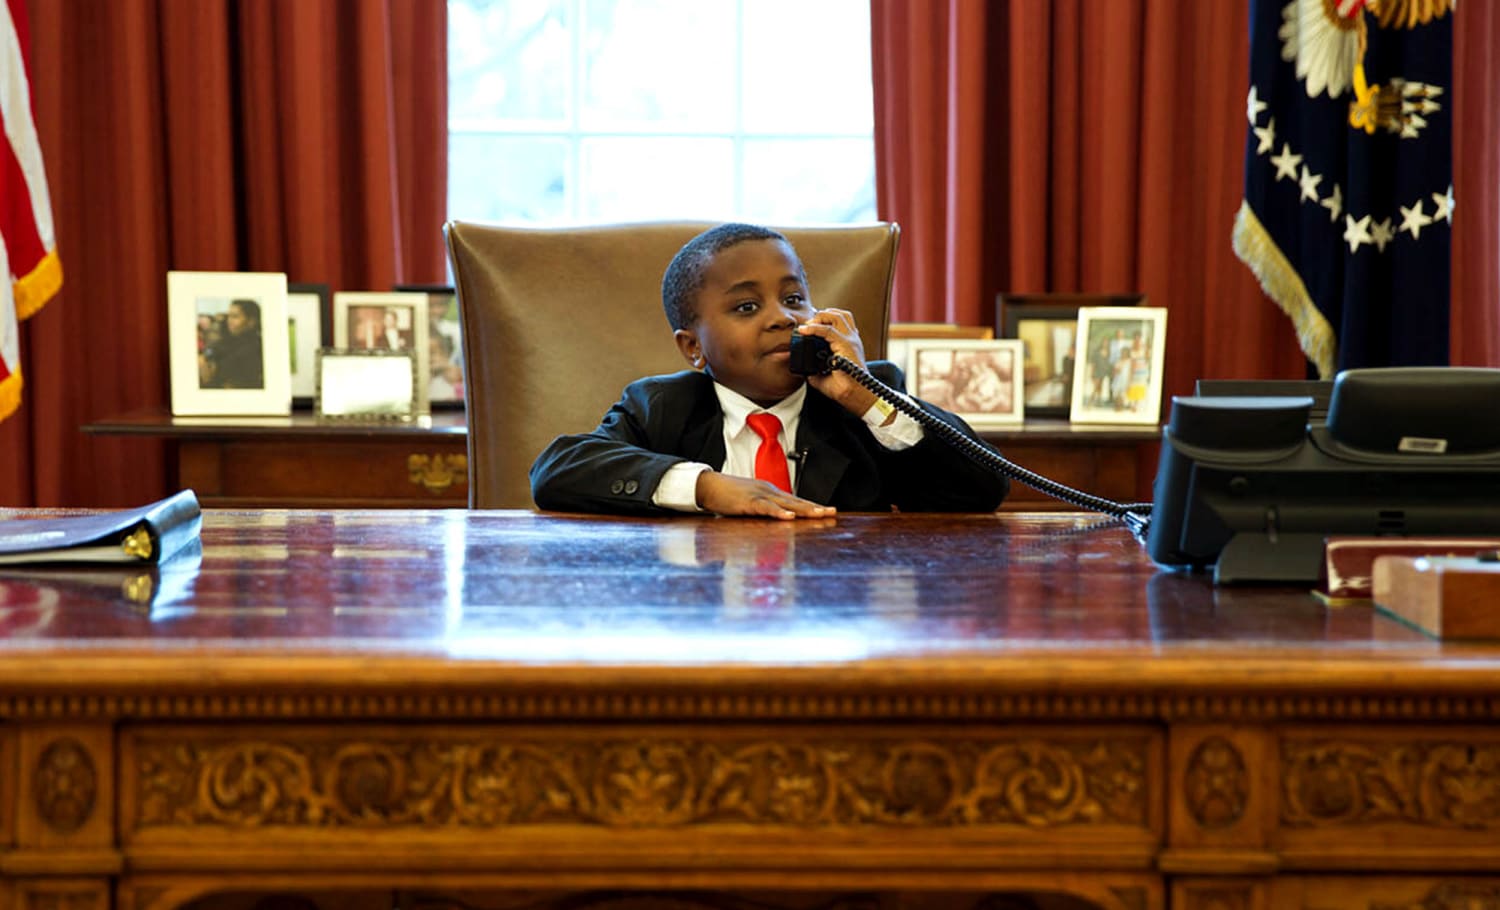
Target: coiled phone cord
x=1136, y=516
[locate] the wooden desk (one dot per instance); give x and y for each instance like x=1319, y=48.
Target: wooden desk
x=508, y=710
x=297, y=462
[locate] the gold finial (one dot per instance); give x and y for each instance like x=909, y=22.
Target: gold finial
x=137, y=544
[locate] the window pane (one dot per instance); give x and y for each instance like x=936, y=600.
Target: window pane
x=637, y=179
x=649, y=65
x=508, y=59
x=827, y=180
x=499, y=178
x=568, y=111
x=799, y=80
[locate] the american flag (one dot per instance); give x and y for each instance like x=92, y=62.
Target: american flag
x=28, y=245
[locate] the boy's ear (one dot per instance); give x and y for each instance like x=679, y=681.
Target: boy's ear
x=687, y=343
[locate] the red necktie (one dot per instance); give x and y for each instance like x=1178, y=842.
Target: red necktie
x=770, y=460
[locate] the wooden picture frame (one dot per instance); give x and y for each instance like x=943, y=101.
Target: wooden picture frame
x=227, y=344
x=384, y=320
x=445, y=345
x=1048, y=325
x=1118, y=365
x=901, y=334
x=980, y=380
x=307, y=329
x=369, y=384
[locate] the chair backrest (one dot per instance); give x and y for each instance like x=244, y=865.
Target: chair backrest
x=557, y=321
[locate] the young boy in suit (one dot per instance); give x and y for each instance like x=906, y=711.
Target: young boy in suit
x=739, y=433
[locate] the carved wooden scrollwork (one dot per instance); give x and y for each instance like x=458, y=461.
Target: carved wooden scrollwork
x=632, y=783
x=65, y=785
x=1131, y=898
x=64, y=899
x=1218, y=899
x=1216, y=783
x=1435, y=784
x=1451, y=896
x=707, y=900
x=436, y=473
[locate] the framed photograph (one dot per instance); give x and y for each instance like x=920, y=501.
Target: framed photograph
x=1117, y=372
x=1048, y=326
x=227, y=339
x=373, y=384
x=384, y=321
x=445, y=345
x=307, y=330
x=979, y=380
x=901, y=334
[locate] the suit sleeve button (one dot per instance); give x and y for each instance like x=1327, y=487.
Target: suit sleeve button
x=617, y=486
x=630, y=487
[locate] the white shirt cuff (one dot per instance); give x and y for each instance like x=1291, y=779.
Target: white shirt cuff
x=903, y=433
x=679, y=487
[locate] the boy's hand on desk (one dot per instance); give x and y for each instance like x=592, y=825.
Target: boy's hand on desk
x=726, y=495
x=838, y=329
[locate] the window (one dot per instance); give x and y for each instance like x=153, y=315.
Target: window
x=576, y=111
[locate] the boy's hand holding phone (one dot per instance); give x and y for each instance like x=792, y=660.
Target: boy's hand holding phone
x=837, y=328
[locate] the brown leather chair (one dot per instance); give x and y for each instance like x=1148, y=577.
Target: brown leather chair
x=556, y=322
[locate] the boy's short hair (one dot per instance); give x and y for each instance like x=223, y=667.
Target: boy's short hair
x=684, y=275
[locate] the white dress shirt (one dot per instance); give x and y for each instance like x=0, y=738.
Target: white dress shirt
x=679, y=485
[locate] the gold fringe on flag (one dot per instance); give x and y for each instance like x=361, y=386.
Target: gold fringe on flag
x=38, y=286
x=1282, y=284
x=10, y=394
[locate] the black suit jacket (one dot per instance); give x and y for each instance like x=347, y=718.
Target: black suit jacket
x=661, y=421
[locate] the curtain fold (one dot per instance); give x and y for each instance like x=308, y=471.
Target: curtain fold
x=1110, y=140
x=213, y=135
x=1475, y=335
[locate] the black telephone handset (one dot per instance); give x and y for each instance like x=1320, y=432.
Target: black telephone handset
x=812, y=356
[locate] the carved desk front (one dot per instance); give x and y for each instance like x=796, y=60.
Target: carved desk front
x=451, y=709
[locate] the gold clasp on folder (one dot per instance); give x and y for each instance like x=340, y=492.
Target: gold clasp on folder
x=137, y=544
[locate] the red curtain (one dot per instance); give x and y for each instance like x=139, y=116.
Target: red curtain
x=1476, y=186
x=213, y=135
x=1101, y=149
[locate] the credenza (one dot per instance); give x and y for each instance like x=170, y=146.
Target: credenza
x=353, y=710
x=301, y=462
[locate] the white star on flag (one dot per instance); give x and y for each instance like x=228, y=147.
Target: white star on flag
x=1334, y=204
x=1413, y=220
x=1253, y=106
x=1356, y=232
x=1381, y=233
x=1444, y=202
x=1309, y=184
x=1286, y=163
x=1267, y=136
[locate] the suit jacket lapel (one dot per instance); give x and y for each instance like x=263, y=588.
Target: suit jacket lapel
x=703, y=434
x=824, y=462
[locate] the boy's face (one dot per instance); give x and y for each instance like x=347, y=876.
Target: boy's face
x=753, y=295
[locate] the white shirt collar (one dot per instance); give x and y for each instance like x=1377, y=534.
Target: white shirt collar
x=737, y=407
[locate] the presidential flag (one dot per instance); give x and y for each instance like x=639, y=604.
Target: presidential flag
x=28, y=248
x=1349, y=176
